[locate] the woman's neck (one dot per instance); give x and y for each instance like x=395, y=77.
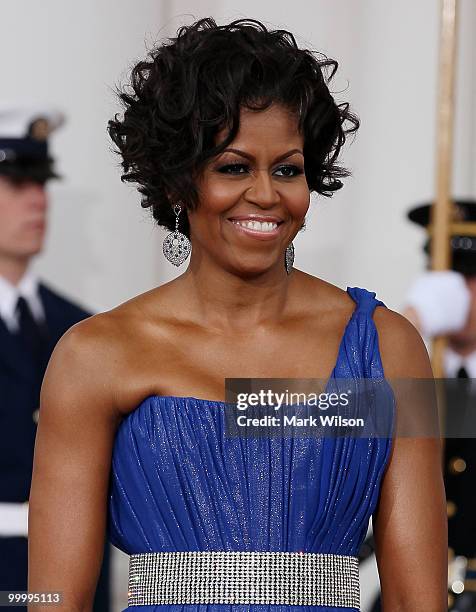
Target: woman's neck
x=223, y=300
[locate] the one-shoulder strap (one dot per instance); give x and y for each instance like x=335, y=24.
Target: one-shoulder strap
x=365, y=300
x=359, y=354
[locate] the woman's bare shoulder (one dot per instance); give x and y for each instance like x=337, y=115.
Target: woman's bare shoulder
x=93, y=339
x=104, y=334
x=89, y=353
x=402, y=349
x=96, y=355
x=80, y=367
x=322, y=296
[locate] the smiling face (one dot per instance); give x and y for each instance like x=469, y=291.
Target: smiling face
x=23, y=209
x=258, y=178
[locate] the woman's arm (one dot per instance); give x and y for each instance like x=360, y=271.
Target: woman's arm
x=410, y=522
x=68, y=497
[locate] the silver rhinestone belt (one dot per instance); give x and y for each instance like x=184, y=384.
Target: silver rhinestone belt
x=235, y=577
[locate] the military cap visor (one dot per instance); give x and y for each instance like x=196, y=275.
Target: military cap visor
x=463, y=247
x=24, y=143
x=33, y=169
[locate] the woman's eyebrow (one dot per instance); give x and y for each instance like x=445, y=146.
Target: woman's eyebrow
x=249, y=156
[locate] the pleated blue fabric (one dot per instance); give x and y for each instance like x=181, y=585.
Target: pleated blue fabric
x=179, y=484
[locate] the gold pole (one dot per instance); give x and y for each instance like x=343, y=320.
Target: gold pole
x=441, y=211
x=464, y=228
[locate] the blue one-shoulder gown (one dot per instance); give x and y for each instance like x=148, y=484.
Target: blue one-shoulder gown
x=179, y=484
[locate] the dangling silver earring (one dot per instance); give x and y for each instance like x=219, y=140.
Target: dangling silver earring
x=176, y=245
x=289, y=258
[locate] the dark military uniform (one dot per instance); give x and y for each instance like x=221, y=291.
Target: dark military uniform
x=460, y=452
x=20, y=381
x=25, y=348
x=460, y=479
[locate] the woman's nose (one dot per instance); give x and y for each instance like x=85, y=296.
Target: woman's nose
x=262, y=191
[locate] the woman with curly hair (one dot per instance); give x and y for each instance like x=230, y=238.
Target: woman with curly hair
x=227, y=130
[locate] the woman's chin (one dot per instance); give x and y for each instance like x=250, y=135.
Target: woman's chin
x=257, y=268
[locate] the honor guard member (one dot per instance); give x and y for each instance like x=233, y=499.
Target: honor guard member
x=33, y=317
x=444, y=303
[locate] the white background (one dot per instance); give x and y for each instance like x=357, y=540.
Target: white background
x=103, y=248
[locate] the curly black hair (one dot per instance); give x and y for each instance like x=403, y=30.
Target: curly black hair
x=185, y=92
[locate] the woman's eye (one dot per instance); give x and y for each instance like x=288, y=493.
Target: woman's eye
x=225, y=169
x=287, y=169
x=292, y=168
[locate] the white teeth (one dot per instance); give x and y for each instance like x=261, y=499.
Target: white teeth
x=261, y=226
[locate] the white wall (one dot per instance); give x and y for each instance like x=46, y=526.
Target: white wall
x=388, y=56
x=101, y=247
